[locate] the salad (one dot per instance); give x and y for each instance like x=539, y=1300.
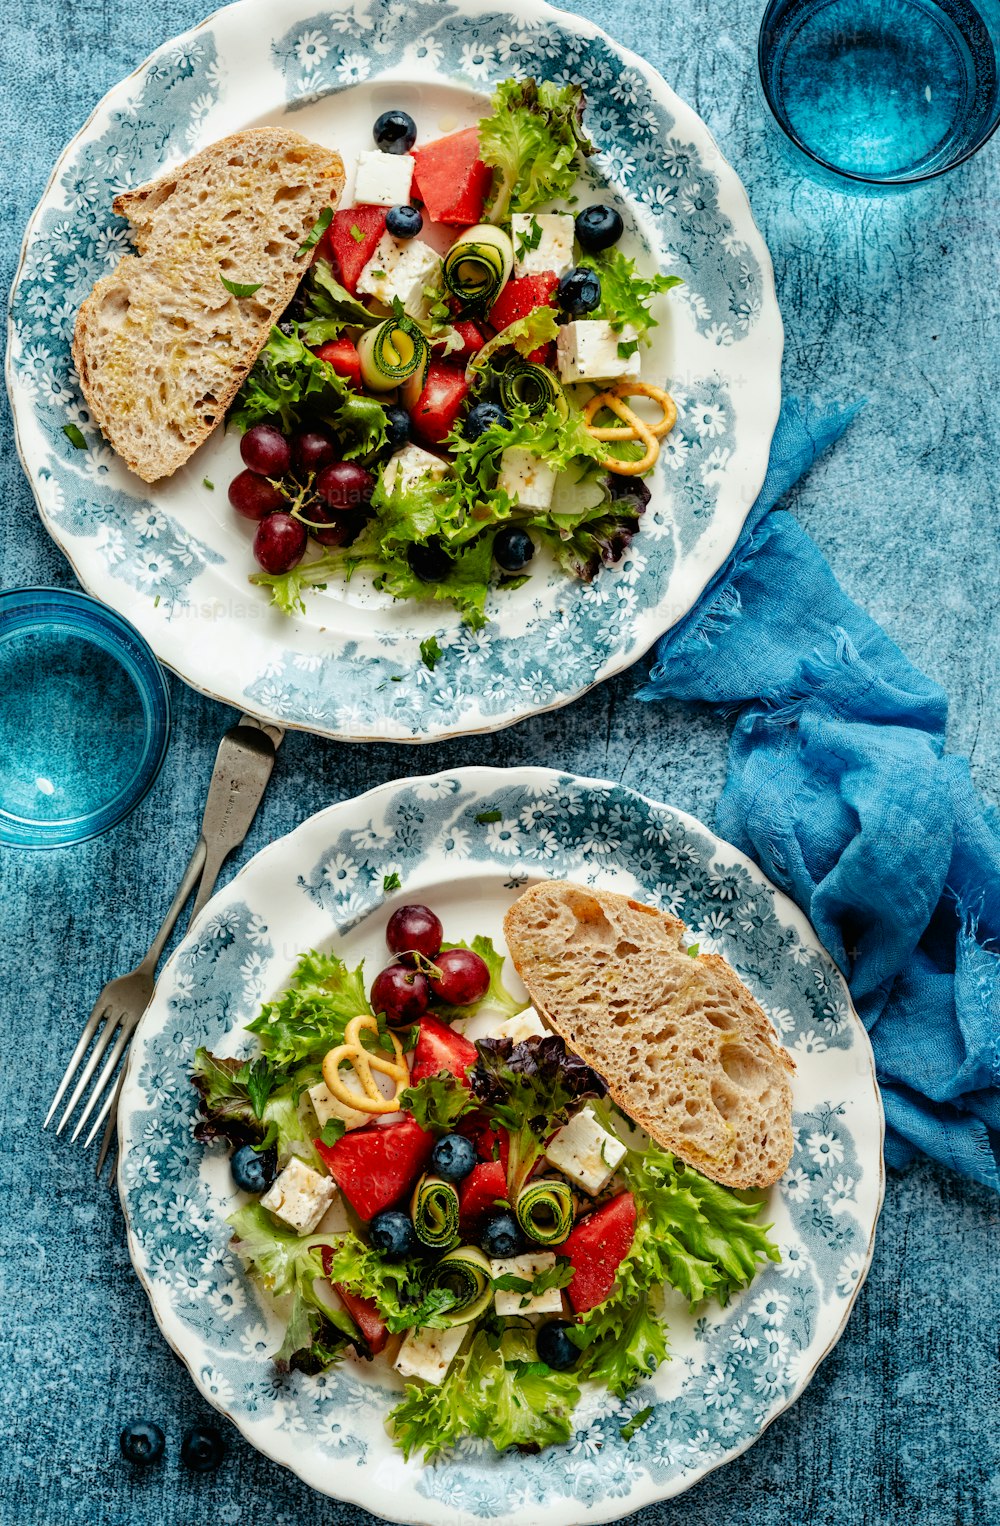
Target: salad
x=457, y=380
x=470, y=1209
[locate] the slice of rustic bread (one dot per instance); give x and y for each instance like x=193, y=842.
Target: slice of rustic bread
x=161, y=347
x=684, y=1047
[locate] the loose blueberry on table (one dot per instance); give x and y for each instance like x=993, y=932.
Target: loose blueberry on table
x=142, y=1442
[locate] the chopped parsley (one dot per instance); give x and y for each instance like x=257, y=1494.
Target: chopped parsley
x=391, y=882
x=240, y=288
x=316, y=232
x=486, y=817
x=210, y=485
x=431, y=652
x=75, y=436
x=636, y=1423
x=357, y=234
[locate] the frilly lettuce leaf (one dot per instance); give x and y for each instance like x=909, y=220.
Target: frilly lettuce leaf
x=288, y=1264
x=625, y=292
x=533, y=139
x=437, y=1102
x=310, y=1015
x=397, y=1288
x=234, y=1106
x=329, y=308
x=495, y=1389
x=525, y=335
x=289, y=383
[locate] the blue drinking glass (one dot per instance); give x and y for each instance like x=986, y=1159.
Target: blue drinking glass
x=84, y=718
x=883, y=92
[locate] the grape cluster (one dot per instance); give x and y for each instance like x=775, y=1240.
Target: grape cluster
x=296, y=488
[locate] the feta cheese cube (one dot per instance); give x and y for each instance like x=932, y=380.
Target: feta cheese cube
x=587, y=350
x=510, y=1301
x=526, y=1025
x=299, y=1196
x=554, y=249
x=585, y=1152
x=526, y=480
x=428, y=1354
x=410, y=464
x=383, y=180
x=400, y=271
x=327, y=1106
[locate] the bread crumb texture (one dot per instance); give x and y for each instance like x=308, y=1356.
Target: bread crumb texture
x=685, y=1049
x=160, y=345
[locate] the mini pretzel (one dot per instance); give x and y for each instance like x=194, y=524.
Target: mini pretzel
x=363, y=1063
x=636, y=428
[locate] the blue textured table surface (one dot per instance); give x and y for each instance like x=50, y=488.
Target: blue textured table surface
x=894, y=299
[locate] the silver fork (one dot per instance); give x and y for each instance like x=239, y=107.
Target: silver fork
x=243, y=766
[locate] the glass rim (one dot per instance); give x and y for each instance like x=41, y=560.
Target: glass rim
x=131, y=650
x=882, y=181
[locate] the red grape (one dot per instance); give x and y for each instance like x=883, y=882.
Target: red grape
x=402, y=994
x=254, y=496
x=463, y=979
x=343, y=485
x=414, y=930
x=279, y=543
x=313, y=449
x=266, y=451
x=338, y=529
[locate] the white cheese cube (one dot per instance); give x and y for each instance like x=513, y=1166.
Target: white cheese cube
x=410, y=464
x=383, y=180
x=526, y=480
x=299, y=1196
x=588, y=350
x=510, y=1301
x=526, y=1025
x=327, y=1106
x=554, y=249
x=428, y=1354
x=400, y=271
x=585, y=1152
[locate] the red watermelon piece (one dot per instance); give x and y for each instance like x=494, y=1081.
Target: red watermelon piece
x=596, y=1246
x=365, y=1314
x=479, y=1192
x=376, y=1166
x=350, y=253
x=451, y=180
x=439, y=1048
x=521, y=296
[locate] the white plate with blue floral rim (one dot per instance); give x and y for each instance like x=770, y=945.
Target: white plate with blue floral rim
x=467, y=842
x=175, y=559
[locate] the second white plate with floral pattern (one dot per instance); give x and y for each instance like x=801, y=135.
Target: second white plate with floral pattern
x=176, y=560
x=467, y=842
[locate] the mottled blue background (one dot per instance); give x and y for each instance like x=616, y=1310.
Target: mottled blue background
x=895, y=299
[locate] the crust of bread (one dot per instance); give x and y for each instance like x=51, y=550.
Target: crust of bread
x=160, y=346
x=684, y=1047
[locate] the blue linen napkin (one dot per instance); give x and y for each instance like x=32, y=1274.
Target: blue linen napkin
x=839, y=787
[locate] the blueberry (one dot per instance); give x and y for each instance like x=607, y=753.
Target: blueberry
x=392, y=1233
x=579, y=291
x=428, y=562
x=397, y=426
x=453, y=1157
x=403, y=222
x=554, y=1347
x=141, y=1441
x=598, y=228
x=395, y=132
x=513, y=548
x=253, y=1171
x=481, y=417
x=202, y=1449
x=501, y=1235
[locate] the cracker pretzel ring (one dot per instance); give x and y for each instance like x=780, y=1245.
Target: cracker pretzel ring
x=363, y=1063
x=635, y=427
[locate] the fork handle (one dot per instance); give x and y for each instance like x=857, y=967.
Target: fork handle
x=191, y=876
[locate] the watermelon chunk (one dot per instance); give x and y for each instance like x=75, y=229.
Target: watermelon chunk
x=365, y=1314
x=376, y=1166
x=350, y=253
x=436, y=410
x=479, y=1192
x=521, y=296
x=440, y=1048
x=451, y=180
x=472, y=338
x=596, y=1246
